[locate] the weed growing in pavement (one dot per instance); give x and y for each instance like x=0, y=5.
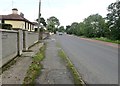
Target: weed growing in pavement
x=35, y=67
x=77, y=79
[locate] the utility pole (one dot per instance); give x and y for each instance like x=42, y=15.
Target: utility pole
x=39, y=14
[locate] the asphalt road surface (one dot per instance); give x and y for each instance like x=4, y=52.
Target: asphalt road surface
x=96, y=62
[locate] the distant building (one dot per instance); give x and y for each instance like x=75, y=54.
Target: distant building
x=17, y=21
x=35, y=26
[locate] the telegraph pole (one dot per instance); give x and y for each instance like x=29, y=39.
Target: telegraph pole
x=39, y=14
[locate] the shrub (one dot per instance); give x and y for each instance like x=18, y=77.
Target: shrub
x=6, y=26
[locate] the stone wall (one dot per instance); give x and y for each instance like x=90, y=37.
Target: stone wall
x=32, y=38
x=9, y=43
x=14, y=42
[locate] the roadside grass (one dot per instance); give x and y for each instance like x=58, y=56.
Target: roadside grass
x=77, y=79
x=35, y=67
x=108, y=40
x=104, y=39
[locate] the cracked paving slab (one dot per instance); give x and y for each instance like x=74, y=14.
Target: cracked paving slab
x=54, y=69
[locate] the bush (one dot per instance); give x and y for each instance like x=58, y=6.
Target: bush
x=6, y=26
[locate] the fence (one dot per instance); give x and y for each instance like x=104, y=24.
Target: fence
x=13, y=43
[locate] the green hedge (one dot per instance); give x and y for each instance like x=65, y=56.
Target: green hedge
x=6, y=26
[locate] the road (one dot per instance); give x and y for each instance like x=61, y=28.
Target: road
x=96, y=62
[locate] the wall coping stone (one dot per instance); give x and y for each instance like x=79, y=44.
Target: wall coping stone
x=9, y=31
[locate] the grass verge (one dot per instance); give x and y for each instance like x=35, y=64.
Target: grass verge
x=35, y=67
x=104, y=39
x=77, y=79
x=108, y=40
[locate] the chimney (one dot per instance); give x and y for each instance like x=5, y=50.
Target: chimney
x=22, y=15
x=14, y=11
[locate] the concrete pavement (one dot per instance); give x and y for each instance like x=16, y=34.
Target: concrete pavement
x=54, y=69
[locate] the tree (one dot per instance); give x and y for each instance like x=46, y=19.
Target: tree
x=68, y=29
x=54, y=22
x=81, y=28
x=74, y=27
x=42, y=20
x=113, y=18
x=61, y=29
x=94, y=26
x=51, y=27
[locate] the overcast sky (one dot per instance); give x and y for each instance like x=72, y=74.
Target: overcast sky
x=67, y=11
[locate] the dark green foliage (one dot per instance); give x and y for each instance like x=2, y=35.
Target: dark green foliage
x=6, y=26
x=113, y=18
x=61, y=29
x=95, y=26
x=42, y=20
x=68, y=29
x=52, y=24
x=51, y=27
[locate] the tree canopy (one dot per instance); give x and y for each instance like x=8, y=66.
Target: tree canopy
x=92, y=26
x=61, y=29
x=113, y=18
x=52, y=24
x=42, y=20
x=97, y=26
